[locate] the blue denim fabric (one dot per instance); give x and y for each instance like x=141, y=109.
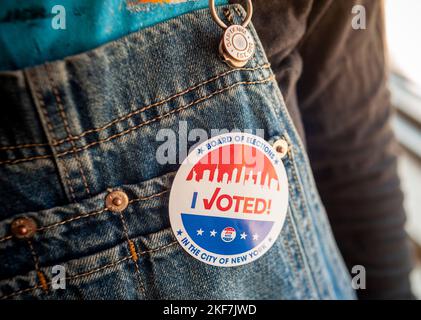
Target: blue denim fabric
x=88, y=124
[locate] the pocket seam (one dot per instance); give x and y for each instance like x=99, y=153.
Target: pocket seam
x=131, y=129
x=89, y=272
x=174, y=111
x=134, y=112
x=155, y=104
x=301, y=197
x=88, y=214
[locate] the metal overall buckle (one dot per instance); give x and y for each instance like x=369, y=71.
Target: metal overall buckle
x=237, y=44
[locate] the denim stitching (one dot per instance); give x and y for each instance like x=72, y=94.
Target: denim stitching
x=26, y=159
x=228, y=15
x=90, y=214
x=34, y=255
x=297, y=182
x=129, y=115
x=166, y=114
x=43, y=108
x=60, y=108
x=158, y=249
x=68, y=278
x=179, y=94
x=41, y=276
x=289, y=253
x=239, y=12
x=16, y=293
x=67, y=177
x=142, y=124
x=133, y=255
x=309, y=278
x=87, y=273
x=6, y=238
x=294, y=203
x=44, y=111
x=90, y=271
x=24, y=146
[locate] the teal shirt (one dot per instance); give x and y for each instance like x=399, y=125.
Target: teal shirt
x=31, y=31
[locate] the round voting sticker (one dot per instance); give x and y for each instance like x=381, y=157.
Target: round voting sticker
x=229, y=200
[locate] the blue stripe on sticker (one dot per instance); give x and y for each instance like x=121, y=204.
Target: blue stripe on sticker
x=226, y=236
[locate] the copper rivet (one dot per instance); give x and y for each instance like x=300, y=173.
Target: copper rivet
x=23, y=228
x=116, y=201
x=281, y=147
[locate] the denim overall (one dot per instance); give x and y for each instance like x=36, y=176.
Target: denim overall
x=81, y=127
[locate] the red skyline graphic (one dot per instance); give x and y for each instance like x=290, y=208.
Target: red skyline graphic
x=239, y=164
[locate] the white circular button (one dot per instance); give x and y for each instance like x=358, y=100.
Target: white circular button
x=281, y=147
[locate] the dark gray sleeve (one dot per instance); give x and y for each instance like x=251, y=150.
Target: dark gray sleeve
x=345, y=107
